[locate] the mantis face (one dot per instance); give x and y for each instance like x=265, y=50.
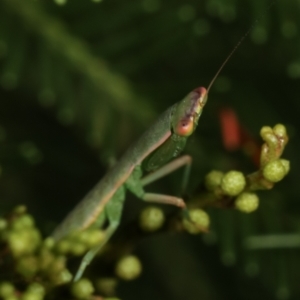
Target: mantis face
x=188, y=111
x=184, y=120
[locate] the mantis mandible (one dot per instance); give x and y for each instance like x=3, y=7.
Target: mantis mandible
x=162, y=142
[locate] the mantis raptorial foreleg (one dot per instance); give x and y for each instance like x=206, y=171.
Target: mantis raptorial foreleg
x=113, y=209
x=172, y=166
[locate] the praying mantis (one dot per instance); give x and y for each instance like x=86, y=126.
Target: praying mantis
x=153, y=153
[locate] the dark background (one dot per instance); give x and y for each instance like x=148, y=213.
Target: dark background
x=81, y=81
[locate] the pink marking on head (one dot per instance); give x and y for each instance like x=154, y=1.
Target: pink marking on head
x=200, y=90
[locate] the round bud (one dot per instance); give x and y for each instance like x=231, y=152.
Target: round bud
x=3, y=224
x=280, y=130
x=77, y=248
x=275, y=170
x=233, y=183
x=17, y=244
x=265, y=130
x=286, y=164
x=107, y=285
x=94, y=237
x=27, y=266
x=199, y=221
x=82, y=289
x=63, y=277
x=48, y=243
x=213, y=180
x=24, y=221
x=36, y=288
x=128, y=268
x=31, y=296
x=63, y=246
x=6, y=289
x=151, y=218
x=46, y=258
x=57, y=265
x=247, y=202
x=20, y=209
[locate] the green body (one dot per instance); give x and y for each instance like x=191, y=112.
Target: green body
x=164, y=140
x=88, y=210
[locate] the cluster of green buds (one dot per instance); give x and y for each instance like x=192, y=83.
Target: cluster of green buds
x=19, y=233
x=34, y=291
x=31, y=257
x=41, y=264
x=273, y=167
x=78, y=243
x=235, y=188
x=231, y=185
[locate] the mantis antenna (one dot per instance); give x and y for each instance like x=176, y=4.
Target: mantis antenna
x=236, y=47
x=229, y=56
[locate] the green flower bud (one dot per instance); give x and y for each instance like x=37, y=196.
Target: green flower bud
x=45, y=259
x=82, y=289
x=275, y=170
x=12, y=297
x=233, y=183
x=3, y=224
x=265, y=130
x=78, y=248
x=128, y=268
x=286, y=164
x=280, y=130
x=63, y=246
x=27, y=266
x=31, y=296
x=20, y=209
x=151, y=219
x=213, y=180
x=107, y=285
x=6, y=289
x=96, y=237
x=199, y=221
x=62, y=277
x=36, y=288
x=57, y=265
x=22, y=222
x=247, y=202
x=82, y=236
x=48, y=243
x=23, y=241
x=17, y=244
x=92, y=237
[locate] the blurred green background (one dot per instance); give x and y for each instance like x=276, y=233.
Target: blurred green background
x=80, y=81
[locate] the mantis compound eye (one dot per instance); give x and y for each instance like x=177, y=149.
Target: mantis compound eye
x=185, y=127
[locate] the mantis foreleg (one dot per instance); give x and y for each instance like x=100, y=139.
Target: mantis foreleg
x=175, y=164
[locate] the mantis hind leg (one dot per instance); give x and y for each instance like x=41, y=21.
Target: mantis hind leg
x=182, y=161
x=113, y=211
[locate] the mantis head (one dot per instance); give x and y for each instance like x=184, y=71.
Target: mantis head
x=188, y=111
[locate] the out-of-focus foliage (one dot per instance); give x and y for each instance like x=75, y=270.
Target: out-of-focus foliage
x=80, y=81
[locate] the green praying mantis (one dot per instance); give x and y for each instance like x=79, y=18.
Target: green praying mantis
x=153, y=153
